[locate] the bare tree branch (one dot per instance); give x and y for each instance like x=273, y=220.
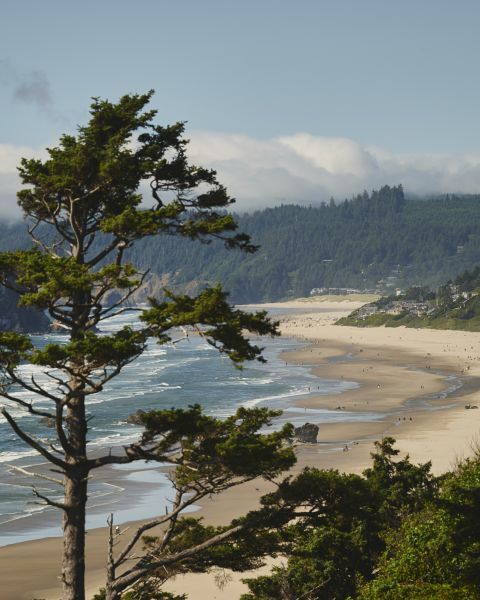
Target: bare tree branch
x=49, y=248
x=37, y=475
x=27, y=405
x=31, y=442
x=49, y=501
x=173, y=519
x=154, y=523
x=103, y=253
x=106, y=311
x=141, y=569
x=35, y=388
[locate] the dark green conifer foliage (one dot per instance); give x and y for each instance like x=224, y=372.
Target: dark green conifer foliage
x=331, y=526
x=435, y=552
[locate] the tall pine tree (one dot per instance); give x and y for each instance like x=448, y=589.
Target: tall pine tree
x=84, y=208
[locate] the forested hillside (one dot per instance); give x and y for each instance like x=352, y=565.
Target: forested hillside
x=378, y=237
x=354, y=244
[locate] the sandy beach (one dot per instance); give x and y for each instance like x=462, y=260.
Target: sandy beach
x=417, y=381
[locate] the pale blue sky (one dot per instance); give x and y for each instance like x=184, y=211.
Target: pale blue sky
x=399, y=76
x=402, y=75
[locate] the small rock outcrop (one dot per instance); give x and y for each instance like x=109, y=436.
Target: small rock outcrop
x=136, y=418
x=307, y=434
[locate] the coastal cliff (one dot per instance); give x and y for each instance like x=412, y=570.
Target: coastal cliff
x=17, y=318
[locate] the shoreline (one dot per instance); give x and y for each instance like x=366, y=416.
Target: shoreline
x=401, y=374
x=403, y=371
x=132, y=491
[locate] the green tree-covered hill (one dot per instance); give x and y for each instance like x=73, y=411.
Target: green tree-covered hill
x=353, y=244
x=379, y=237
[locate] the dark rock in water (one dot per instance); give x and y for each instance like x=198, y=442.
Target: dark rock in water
x=136, y=418
x=307, y=433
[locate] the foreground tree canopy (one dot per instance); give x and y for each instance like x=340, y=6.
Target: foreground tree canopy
x=84, y=208
x=397, y=533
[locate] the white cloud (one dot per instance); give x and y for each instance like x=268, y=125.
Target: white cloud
x=300, y=168
x=9, y=180
x=305, y=169
x=337, y=156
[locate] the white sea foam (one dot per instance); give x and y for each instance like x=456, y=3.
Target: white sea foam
x=13, y=485
x=13, y=456
x=10, y=517
x=116, y=439
x=291, y=394
x=14, y=411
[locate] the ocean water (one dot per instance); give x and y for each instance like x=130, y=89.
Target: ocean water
x=164, y=376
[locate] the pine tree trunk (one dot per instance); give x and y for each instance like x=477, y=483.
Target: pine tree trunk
x=75, y=498
x=73, y=565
